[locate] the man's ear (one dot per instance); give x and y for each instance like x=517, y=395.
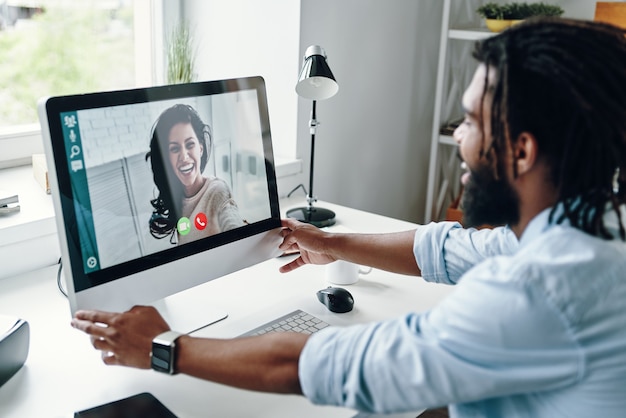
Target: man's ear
x=525, y=152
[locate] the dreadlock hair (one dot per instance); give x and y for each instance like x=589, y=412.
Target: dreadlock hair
x=564, y=81
x=168, y=205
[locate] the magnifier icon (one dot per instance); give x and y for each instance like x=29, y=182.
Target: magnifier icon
x=74, y=151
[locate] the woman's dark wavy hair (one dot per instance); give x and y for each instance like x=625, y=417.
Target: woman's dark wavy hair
x=168, y=205
x=564, y=81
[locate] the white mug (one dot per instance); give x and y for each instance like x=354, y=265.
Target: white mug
x=342, y=272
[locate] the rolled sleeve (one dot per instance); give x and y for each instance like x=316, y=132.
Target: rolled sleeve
x=316, y=364
x=445, y=251
x=428, y=248
x=357, y=367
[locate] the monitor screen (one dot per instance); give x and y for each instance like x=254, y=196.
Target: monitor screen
x=159, y=189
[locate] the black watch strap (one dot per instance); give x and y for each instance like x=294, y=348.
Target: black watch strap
x=163, y=356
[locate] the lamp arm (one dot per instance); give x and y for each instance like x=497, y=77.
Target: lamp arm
x=313, y=127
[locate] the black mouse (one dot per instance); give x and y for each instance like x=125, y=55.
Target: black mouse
x=336, y=299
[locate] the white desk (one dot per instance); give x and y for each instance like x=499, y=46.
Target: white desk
x=63, y=373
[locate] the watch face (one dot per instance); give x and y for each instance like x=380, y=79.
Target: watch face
x=162, y=358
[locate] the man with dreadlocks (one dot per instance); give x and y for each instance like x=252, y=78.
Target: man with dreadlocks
x=536, y=326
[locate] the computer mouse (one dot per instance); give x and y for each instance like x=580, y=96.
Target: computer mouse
x=336, y=299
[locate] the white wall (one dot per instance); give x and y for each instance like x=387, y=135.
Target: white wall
x=373, y=144
x=238, y=38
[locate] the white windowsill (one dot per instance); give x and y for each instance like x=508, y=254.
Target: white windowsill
x=18, y=143
x=28, y=238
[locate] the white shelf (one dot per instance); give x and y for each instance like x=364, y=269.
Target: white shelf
x=447, y=140
x=442, y=187
x=475, y=34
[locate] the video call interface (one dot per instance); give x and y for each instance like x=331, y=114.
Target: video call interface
x=121, y=220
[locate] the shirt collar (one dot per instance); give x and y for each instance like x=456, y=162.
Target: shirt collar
x=541, y=222
x=538, y=225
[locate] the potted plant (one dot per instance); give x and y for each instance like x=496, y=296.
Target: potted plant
x=181, y=55
x=493, y=11
x=496, y=16
x=500, y=16
x=543, y=9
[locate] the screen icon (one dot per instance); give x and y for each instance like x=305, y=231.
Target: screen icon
x=76, y=165
x=74, y=151
x=70, y=121
x=183, y=226
x=200, y=221
x=92, y=262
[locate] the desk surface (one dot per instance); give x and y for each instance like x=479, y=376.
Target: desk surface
x=63, y=373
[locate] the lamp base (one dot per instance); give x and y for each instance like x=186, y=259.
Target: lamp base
x=318, y=217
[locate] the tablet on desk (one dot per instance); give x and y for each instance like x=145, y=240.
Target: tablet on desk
x=136, y=406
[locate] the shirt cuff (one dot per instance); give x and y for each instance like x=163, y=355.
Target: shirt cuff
x=428, y=249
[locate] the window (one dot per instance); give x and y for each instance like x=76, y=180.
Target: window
x=54, y=48
x=64, y=50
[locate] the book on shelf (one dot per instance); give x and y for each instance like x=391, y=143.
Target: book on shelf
x=449, y=127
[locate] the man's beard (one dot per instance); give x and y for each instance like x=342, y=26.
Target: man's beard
x=489, y=201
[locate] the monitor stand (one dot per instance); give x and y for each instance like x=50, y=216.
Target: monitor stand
x=188, y=311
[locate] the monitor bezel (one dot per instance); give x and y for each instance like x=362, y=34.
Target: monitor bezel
x=50, y=109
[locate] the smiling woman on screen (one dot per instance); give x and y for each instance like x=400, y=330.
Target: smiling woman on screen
x=189, y=206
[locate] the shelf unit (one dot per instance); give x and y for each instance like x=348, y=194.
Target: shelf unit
x=443, y=163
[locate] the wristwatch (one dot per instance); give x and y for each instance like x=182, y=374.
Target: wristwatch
x=163, y=354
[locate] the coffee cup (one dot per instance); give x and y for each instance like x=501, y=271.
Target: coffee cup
x=342, y=272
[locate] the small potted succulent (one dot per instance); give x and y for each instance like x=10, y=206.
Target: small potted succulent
x=500, y=16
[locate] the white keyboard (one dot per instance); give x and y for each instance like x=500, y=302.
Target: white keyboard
x=296, y=321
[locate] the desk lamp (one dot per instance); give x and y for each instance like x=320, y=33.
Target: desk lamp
x=316, y=82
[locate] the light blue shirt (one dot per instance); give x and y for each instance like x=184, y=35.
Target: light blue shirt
x=533, y=329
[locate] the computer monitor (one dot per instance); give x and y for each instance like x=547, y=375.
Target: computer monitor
x=157, y=190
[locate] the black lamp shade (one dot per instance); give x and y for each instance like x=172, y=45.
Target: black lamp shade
x=316, y=80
